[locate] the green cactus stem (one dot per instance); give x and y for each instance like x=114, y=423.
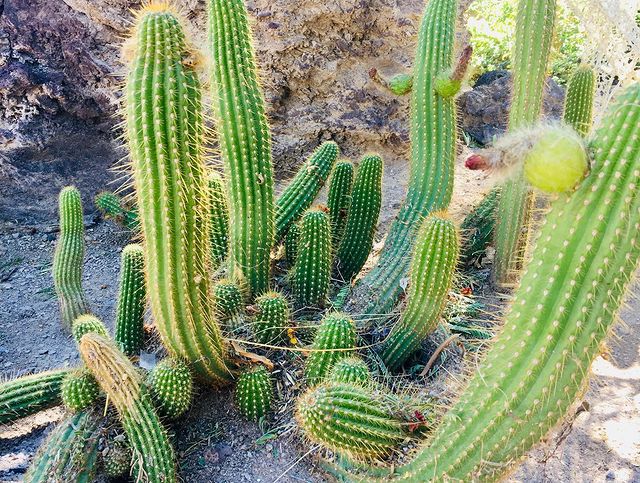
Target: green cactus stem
x=578, y=104
x=111, y=206
x=432, y=267
x=165, y=135
x=311, y=273
x=305, y=185
x=69, y=257
x=272, y=319
x=172, y=387
x=131, y=301
x=254, y=393
x=364, y=209
x=335, y=336
x=245, y=143
x=433, y=139
x=86, y=324
x=477, y=229
x=28, y=395
x=350, y=370
x=339, y=198
x=219, y=220
x=153, y=458
x=79, y=390
x=291, y=244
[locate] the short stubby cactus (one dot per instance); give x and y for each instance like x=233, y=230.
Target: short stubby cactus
x=291, y=244
x=116, y=459
x=339, y=198
x=79, y=390
x=27, y=395
x=311, y=273
x=69, y=257
x=364, y=209
x=172, y=387
x=254, y=393
x=153, y=458
x=432, y=266
x=111, y=206
x=578, y=102
x=350, y=370
x=227, y=300
x=272, y=319
x=245, y=142
x=332, y=342
x=400, y=84
x=129, y=332
x=303, y=188
x=477, y=229
x=350, y=420
x=86, y=324
x=219, y=220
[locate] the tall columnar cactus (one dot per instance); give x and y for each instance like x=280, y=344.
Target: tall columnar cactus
x=79, y=390
x=350, y=420
x=254, y=393
x=303, y=188
x=272, y=319
x=364, y=209
x=432, y=266
x=153, y=458
x=27, y=395
x=291, y=243
x=129, y=332
x=338, y=198
x=219, y=220
x=172, y=387
x=335, y=336
x=311, y=273
x=584, y=258
x=350, y=370
x=433, y=138
x=534, y=32
x=477, y=229
x=69, y=257
x=86, y=324
x=165, y=130
x=578, y=104
x=245, y=142
x=70, y=453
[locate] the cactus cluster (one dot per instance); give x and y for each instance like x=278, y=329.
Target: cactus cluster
x=171, y=387
x=254, y=393
x=129, y=332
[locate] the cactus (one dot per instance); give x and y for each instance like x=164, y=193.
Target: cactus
x=350, y=370
x=27, y=395
x=86, y=324
x=165, y=132
x=291, y=244
x=153, y=456
x=477, y=229
x=311, y=273
x=350, y=420
x=70, y=452
x=79, y=390
x=432, y=266
x=245, y=143
x=111, y=206
x=433, y=138
x=272, y=320
x=172, y=387
x=364, y=209
x=335, y=336
x=303, y=188
x=584, y=258
x=578, y=104
x=219, y=220
x=534, y=32
x=338, y=199
x=68, y=258
x=254, y=393
x=227, y=301
x=131, y=301
x=116, y=459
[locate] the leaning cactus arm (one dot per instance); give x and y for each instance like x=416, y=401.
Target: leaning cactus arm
x=154, y=460
x=129, y=332
x=219, y=220
x=165, y=135
x=245, y=142
x=584, y=258
x=69, y=257
x=338, y=199
x=27, y=395
x=303, y=188
x=578, y=104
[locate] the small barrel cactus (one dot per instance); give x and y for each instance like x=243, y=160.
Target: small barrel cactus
x=86, y=324
x=131, y=301
x=227, y=300
x=254, y=393
x=219, y=220
x=350, y=370
x=171, y=385
x=339, y=198
x=116, y=459
x=291, y=244
x=273, y=318
x=335, y=336
x=79, y=390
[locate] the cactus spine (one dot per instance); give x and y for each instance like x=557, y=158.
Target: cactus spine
x=254, y=393
x=27, y=395
x=165, y=132
x=432, y=266
x=86, y=324
x=131, y=301
x=69, y=257
x=219, y=220
x=291, y=244
x=312, y=272
x=477, y=229
x=335, y=336
x=568, y=298
x=153, y=456
x=350, y=370
x=172, y=387
x=338, y=199
x=303, y=188
x=272, y=320
x=79, y=390
x=433, y=138
x=245, y=142
x=364, y=209
x=534, y=31
x=578, y=104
